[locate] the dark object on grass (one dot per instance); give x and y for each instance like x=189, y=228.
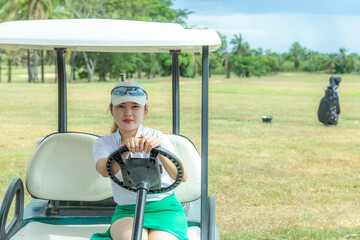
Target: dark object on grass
x=266, y=119
x=122, y=77
x=329, y=108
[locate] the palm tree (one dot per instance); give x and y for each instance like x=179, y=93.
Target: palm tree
x=223, y=55
x=342, y=52
x=246, y=51
x=27, y=10
x=313, y=60
x=297, y=52
x=237, y=41
x=41, y=10
x=331, y=61
x=353, y=62
x=227, y=66
x=343, y=60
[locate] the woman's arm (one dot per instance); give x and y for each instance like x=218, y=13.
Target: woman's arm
x=101, y=167
x=171, y=169
x=148, y=142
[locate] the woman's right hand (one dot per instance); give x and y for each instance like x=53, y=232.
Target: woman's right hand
x=133, y=144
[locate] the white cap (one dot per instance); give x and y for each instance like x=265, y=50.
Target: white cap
x=116, y=99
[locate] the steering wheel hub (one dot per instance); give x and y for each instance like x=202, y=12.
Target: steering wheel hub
x=143, y=172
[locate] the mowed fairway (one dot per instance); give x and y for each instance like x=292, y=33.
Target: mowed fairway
x=291, y=179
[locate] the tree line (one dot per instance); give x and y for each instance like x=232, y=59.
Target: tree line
x=244, y=61
x=234, y=57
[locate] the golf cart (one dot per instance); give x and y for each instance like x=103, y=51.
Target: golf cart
x=70, y=199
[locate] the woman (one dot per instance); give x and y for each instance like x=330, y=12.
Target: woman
x=164, y=215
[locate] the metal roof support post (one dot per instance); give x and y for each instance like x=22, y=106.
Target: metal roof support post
x=204, y=143
x=62, y=97
x=175, y=91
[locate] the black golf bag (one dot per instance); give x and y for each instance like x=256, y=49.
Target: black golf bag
x=329, y=108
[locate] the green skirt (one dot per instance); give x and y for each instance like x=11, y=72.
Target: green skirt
x=165, y=215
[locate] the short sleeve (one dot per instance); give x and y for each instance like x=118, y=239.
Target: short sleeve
x=100, y=149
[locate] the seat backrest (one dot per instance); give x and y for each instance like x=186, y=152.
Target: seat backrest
x=62, y=168
x=190, y=157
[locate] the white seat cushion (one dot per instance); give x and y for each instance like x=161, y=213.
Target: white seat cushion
x=189, y=156
x=62, y=168
x=42, y=231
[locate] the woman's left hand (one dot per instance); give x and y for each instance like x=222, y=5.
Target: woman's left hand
x=148, y=142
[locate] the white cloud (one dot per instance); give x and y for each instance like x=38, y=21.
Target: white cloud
x=277, y=31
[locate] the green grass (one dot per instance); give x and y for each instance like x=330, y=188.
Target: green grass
x=291, y=179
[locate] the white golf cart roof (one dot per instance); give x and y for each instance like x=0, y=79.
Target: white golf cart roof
x=105, y=35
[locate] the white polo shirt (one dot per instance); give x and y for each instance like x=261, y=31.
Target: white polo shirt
x=105, y=145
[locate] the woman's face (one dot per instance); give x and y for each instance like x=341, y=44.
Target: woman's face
x=128, y=116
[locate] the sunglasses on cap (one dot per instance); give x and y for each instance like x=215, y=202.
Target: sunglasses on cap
x=133, y=91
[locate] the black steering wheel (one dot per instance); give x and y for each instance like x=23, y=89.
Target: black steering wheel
x=143, y=171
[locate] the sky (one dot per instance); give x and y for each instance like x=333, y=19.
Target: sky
x=323, y=26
